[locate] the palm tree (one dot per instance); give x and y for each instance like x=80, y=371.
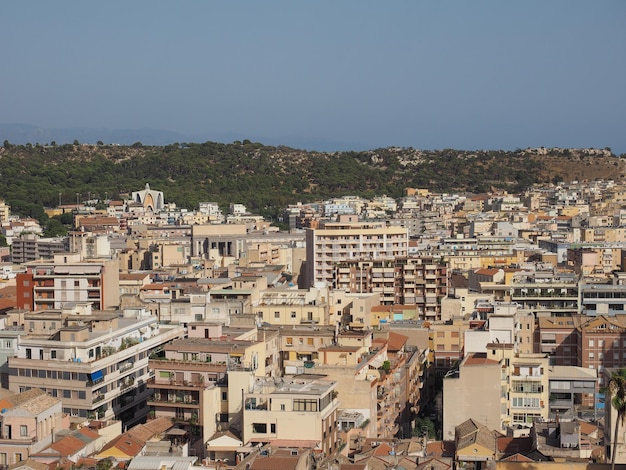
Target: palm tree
x=617, y=392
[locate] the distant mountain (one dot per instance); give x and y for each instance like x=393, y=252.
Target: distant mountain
x=22, y=134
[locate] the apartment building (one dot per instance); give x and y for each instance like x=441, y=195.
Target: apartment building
x=301, y=347
x=602, y=344
x=447, y=344
x=28, y=423
x=96, y=362
x=525, y=392
x=352, y=309
x=546, y=293
x=349, y=239
x=285, y=408
x=558, y=337
x=518, y=382
x=49, y=284
x=607, y=297
x=504, y=325
x=293, y=307
x=31, y=247
x=420, y=281
x=191, y=383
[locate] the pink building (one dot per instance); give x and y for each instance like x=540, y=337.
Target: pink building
x=28, y=420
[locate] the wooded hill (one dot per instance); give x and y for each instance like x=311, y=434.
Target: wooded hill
x=266, y=179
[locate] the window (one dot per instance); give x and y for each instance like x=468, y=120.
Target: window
x=224, y=396
x=23, y=431
x=293, y=314
x=67, y=394
x=591, y=343
x=304, y=405
x=53, y=354
x=600, y=343
x=273, y=428
x=259, y=428
x=289, y=341
x=282, y=407
x=309, y=341
x=276, y=314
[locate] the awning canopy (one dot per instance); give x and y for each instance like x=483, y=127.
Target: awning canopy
x=97, y=375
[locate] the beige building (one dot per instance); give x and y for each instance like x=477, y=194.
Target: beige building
x=472, y=392
x=293, y=307
x=350, y=239
x=351, y=309
x=5, y=212
x=518, y=382
x=525, y=396
x=218, y=240
x=288, y=408
x=447, y=344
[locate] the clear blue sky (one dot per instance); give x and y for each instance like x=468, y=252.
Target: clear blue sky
x=353, y=74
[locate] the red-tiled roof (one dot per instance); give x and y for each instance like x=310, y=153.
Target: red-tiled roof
x=478, y=361
x=487, y=271
x=396, y=341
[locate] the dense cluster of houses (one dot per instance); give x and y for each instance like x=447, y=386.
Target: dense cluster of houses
x=153, y=336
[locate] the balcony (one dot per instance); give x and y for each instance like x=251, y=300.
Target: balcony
x=174, y=400
x=127, y=383
x=98, y=398
x=125, y=366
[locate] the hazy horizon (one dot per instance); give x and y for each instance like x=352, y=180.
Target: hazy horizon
x=336, y=76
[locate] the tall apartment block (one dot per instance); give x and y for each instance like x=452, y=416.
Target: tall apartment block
x=349, y=239
x=50, y=284
x=420, y=281
x=31, y=247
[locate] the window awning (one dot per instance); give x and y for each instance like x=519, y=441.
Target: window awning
x=97, y=375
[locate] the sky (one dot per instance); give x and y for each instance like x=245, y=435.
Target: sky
x=323, y=75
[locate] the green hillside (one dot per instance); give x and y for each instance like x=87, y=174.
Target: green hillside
x=267, y=178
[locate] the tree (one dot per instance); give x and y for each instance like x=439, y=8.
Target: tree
x=616, y=390
x=54, y=228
